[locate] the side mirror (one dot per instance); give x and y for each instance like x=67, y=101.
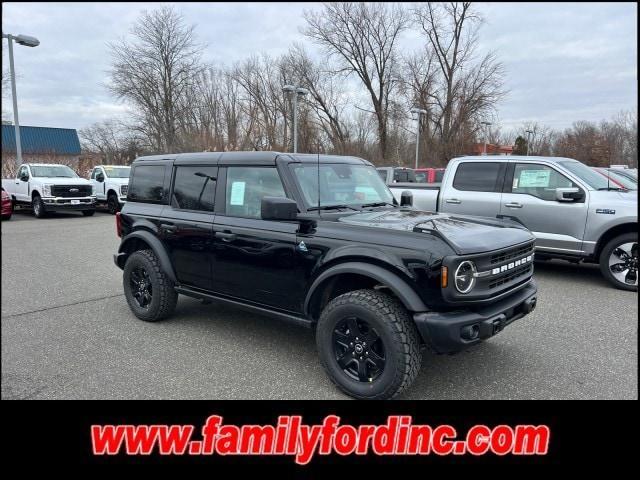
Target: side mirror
x=406, y=199
x=278, y=208
x=571, y=194
x=24, y=178
x=100, y=177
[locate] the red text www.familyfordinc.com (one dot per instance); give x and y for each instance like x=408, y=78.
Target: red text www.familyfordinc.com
x=290, y=436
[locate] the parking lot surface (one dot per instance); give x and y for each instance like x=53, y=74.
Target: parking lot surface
x=67, y=333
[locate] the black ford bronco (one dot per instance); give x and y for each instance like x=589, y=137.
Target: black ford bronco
x=320, y=241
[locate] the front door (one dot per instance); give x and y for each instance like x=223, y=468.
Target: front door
x=22, y=186
x=255, y=259
x=187, y=224
x=530, y=199
x=476, y=189
x=98, y=186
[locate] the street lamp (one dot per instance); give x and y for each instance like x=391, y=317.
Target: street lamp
x=487, y=125
x=529, y=133
x=296, y=91
x=27, y=41
x=418, y=111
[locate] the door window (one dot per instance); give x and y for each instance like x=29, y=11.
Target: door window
x=194, y=188
x=538, y=180
x=246, y=186
x=478, y=177
x=22, y=171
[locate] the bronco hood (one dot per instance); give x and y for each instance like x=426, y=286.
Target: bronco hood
x=465, y=234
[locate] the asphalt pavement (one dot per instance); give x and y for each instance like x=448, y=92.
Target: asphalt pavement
x=67, y=333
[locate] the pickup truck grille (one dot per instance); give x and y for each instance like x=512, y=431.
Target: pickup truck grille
x=67, y=191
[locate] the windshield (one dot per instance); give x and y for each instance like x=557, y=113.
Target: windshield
x=592, y=178
x=621, y=179
x=341, y=184
x=117, y=172
x=52, y=171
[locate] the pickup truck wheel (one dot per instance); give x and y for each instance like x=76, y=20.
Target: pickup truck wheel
x=368, y=344
x=38, y=207
x=113, y=204
x=148, y=290
x=619, y=261
x=88, y=213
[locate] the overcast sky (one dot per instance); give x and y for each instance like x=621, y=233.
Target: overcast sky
x=564, y=62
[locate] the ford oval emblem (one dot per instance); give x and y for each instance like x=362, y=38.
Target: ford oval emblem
x=74, y=190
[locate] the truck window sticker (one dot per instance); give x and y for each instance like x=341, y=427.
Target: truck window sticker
x=237, y=193
x=534, y=178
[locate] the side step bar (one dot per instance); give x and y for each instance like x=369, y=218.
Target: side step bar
x=287, y=317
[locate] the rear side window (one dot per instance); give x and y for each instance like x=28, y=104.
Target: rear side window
x=147, y=184
x=478, y=177
x=194, y=188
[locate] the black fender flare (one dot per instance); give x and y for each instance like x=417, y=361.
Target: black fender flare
x=407, y=295
x=156, y=246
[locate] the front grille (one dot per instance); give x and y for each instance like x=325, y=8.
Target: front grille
x=124, y=189
x=517, y=252
x=510, y=276
x=67, y=191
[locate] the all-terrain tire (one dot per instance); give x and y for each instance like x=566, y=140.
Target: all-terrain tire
x=163, y=295
x=393, y=326
x=113, y=204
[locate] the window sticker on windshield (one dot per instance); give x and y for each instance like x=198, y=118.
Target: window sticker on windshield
x=366, y=194
x=534, y=178
x=237, y=193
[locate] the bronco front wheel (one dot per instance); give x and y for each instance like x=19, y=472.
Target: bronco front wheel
x=368, y=344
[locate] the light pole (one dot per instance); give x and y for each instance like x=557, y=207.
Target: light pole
x=27, y=41
x=418, y=111
x=296, y=91
x=529, y=133
x=487, y=125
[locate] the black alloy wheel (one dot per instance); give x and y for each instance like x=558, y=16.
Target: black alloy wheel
x=141, y=287
x=358, y=349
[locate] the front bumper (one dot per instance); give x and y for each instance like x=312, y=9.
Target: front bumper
x=64, y=203
x=450, y=332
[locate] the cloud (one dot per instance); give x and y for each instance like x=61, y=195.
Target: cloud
x=564, y=62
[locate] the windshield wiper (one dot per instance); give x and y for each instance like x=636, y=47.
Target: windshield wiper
x=377, y=204
x=333, y=207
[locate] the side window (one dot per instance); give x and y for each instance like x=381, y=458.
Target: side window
x=148, y=184
x=194, y=188
x=538, y=180
x=22, y=171
x=247, y=185
x=478, y=177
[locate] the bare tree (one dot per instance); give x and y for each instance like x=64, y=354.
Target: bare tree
x=363, y=37
x=112, y=141
x=466, y=90
x=155, y=73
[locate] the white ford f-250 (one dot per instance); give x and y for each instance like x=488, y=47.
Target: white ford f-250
x=110, y=184
x=48, y=187
x=573, y=211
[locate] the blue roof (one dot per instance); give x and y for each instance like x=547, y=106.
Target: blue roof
x=60, y=141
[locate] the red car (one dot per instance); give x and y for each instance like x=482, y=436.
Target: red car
x=429, y=175
x=7, y=207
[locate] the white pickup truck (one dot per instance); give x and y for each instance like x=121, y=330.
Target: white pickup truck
x=573, y=211
x=48, y=187
x=110, y=184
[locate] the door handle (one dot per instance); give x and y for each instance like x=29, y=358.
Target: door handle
x=226, y=236
x=453, y=200
x=513, y=205
x=165, y=227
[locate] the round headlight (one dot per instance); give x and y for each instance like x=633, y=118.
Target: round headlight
x=464, y=277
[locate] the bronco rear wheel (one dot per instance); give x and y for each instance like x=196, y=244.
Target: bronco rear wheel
x=149, y=292
x=368, y=344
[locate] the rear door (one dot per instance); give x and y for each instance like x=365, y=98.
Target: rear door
x=476, y=189
x=187, y=223
x=530, y=199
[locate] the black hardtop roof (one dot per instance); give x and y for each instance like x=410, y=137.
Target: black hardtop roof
x=251, y=158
